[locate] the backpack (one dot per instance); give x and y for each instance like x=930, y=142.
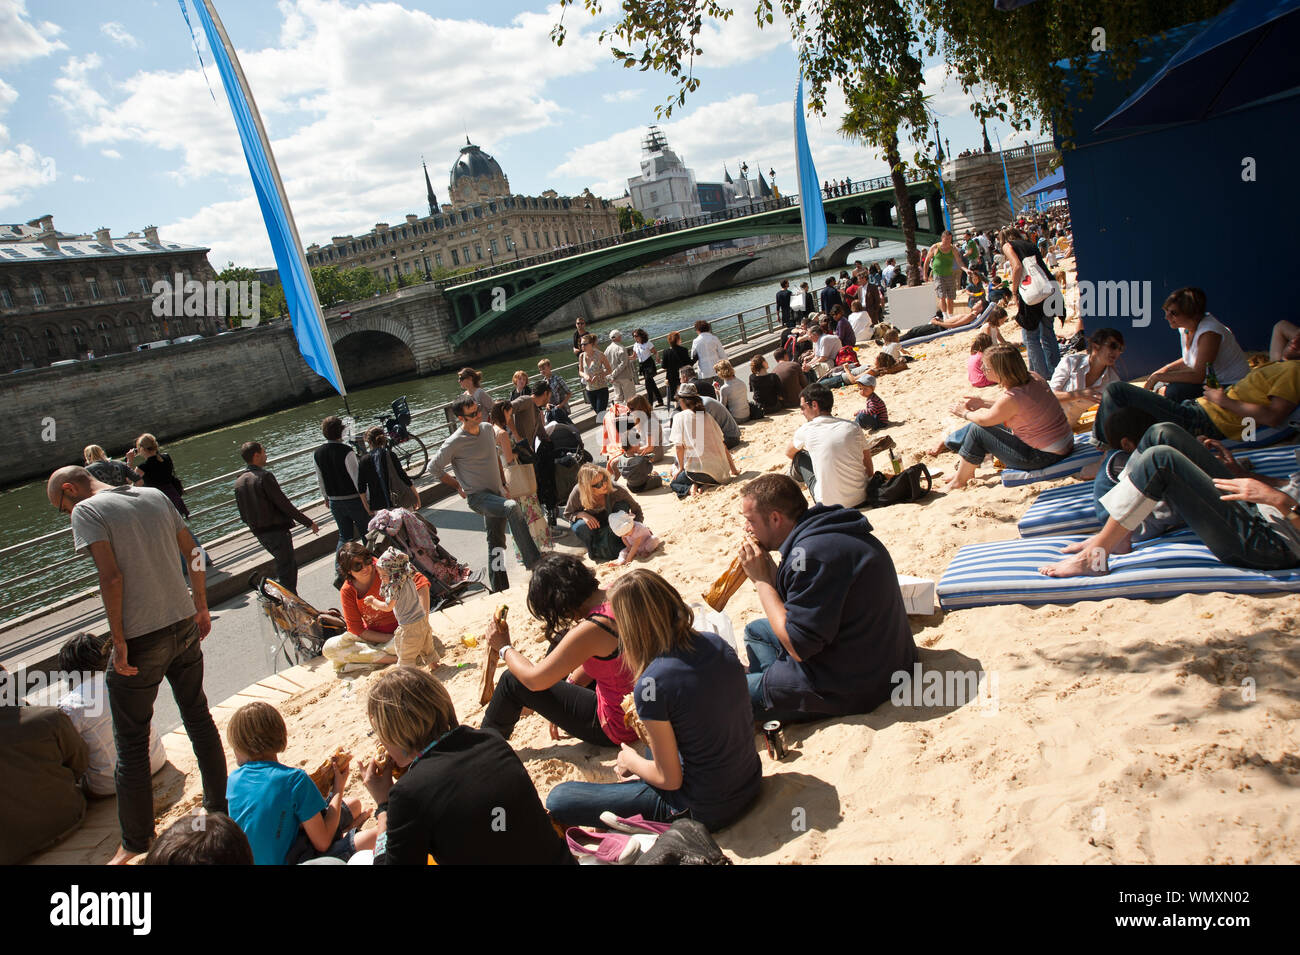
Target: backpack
x=846, y=356
x=911, y=485
x=638, y=473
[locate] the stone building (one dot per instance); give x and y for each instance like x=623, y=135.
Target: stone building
x=66, y=297
x=666, y=188
x=482, y=225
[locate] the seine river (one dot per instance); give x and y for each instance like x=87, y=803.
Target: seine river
x=26, y=513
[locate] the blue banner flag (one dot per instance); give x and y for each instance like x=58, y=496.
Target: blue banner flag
x=811, y=212
x=299, y=292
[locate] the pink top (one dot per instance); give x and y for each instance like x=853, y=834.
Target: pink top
x=975, y=371
x=613, y=682
x=1040, y=420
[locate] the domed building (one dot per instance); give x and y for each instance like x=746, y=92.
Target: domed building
x=475, y=176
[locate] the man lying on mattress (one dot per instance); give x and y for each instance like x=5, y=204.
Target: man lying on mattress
x=1244, y=520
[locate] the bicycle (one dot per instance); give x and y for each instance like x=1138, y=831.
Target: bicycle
x=411, y=452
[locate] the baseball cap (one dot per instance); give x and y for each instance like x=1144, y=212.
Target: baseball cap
x=868, y=381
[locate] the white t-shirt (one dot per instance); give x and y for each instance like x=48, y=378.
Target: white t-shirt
x=87, y=707
x=733, y=395
x=644, y=351
x=1230, y=365
x=860, y=322
x=894, y=350
x=707, y=352
x=836, y=447
x=827, y=347
x=702, y=439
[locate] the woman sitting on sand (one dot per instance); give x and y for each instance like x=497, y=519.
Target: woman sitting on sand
x=564, y=592
x=1080, y=376
x=1024, y=428
x=1206, y=341
x=693, y=699
x=764, y=386
x=703, y=459
x=590, y=503
x=1244, y=520
x=369, y=640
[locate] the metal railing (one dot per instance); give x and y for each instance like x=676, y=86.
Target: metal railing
x=736, y=328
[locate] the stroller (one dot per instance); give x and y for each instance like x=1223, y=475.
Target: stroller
x=413, y=535
x=299, y=627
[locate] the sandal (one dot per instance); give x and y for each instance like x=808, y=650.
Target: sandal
x=611, y=848
x=633, y=824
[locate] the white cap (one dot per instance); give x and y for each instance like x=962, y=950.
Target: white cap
x=620, y=522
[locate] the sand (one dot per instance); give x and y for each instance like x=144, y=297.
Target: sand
x=1122, y=731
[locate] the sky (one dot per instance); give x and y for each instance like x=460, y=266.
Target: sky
x=107, y=119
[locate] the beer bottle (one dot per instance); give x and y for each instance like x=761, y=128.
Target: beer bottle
x=895, y=462
x=1211, y=379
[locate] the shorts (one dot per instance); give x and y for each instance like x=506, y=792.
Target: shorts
x=945, y=286
x=414, y=644
x=343, y=846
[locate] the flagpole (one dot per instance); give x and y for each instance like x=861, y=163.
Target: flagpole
x=274, y=169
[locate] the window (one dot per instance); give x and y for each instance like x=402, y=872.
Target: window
x=566, y=236
x=474, y=231
x=426, y=263
x=67, y=293
x=79, y=339
x=478, y=250
x=437, y=257
x=492, y=245
x=7, y=298
x=105, y=338
x=654, y=195
x=547, y=237
x=387, y=275
x=39, y=298
x=406, y=267
x=51, y=342
x=465, y=253
x=537, y=243
x=524, y=236
x=455, y=258
x=94, y=289
x=120, y=285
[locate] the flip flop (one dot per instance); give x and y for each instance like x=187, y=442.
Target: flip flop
x=611, y=848
x=633, y=824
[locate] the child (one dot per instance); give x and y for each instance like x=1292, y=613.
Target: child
x=999, y=292
x=891, y=344
x=874, y=415
x=975, y=364
x=994, y=324
x=279, y=807
x=637, y=538
x=886, y=364
x=414, y=638
x=976, y=291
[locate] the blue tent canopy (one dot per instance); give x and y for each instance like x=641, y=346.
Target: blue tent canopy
x=1052, y=182
x=1245, y=54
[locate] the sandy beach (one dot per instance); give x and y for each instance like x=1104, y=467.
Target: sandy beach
x=1123, y=731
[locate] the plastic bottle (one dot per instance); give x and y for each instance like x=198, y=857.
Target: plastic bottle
x=895, y=462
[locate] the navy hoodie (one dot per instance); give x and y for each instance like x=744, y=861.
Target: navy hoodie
x=844, y=615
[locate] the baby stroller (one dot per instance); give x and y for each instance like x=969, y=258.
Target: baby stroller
x=413, y=535
x=299, y=627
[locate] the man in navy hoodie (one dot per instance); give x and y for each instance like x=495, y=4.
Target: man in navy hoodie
x=836, y=628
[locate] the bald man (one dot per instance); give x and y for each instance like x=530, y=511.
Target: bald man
x=134, y=534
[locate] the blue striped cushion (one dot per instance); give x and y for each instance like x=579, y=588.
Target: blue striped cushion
x=1069, y=509
x=1006, y=572
x=1085, y=452
x=946, y=332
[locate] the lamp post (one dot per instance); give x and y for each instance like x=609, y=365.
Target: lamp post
x=428, y=276
x=397, y=272
x=988, y=147
x=511, y=247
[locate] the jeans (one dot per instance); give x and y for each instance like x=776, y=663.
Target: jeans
x=652, y=392
x=580, y=804
x=352, y=519
x=683, y=481
x=173, y=652
x=1171, y=465
x=497, y=512
x=764, y=648
x=1188, y=415
x=1041, y=347
x=570, y=707
x=974, y=441
x=868, y=421
x=1183, y=391
x=598, y=398
x=279, y=544
x=801, y=469
x=602, y=543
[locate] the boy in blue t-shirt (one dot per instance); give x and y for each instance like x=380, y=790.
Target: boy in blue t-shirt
x=279, y=807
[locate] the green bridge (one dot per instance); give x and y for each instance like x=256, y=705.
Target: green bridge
x=510, y=297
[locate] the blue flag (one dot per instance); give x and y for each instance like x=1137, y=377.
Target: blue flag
x=299, y=292
x=812, y=215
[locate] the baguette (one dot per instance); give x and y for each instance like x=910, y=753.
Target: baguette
x=725, y=587
x=632, y=721
x=490, y=664
x=323, y=775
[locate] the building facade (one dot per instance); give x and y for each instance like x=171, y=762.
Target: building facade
x=482, y=225
x=666, y=188
x=68, y=297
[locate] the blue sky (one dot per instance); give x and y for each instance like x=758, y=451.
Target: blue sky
x=107, y=120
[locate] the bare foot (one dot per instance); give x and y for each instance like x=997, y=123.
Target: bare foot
x=360, y=818
x=954, y=483
x=1078, y=547
x=1089, y=471
x=937, y=450
x=122, y=856
x=1093, y=563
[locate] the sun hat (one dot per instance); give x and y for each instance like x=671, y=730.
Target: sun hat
x=620, y=522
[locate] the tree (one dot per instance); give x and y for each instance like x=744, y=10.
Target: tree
x=270, y=295
x=630, y=219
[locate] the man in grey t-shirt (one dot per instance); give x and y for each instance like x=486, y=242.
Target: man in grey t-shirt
x=134, y=535
x=471, y=452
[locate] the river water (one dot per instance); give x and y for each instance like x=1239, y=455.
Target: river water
x=25, y=512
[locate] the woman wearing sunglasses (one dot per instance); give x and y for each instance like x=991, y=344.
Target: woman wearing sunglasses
x=1080, y=376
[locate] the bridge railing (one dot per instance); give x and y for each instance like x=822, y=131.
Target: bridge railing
x=42, y=570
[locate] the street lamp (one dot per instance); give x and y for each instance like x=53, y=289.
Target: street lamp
x=511, y=247
x=397, y=272
x=428, y=276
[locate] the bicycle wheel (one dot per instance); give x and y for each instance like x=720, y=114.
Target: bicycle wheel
x=414, y=457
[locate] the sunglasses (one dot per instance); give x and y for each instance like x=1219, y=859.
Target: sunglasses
x=471, y=414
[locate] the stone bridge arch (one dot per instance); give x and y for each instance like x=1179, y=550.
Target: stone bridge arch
x=722, y=277
x=373, y=347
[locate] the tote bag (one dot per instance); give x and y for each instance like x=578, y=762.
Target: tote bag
x=1035, y=286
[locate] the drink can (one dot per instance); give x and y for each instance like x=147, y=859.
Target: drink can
x=775, y=740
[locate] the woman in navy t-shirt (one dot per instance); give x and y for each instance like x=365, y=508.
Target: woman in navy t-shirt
x=693, y=698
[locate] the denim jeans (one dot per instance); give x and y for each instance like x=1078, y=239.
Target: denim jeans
x=974, y=441
x=174, y=652
x=1041, y=347
x=868, y=421
x=764, y=648
x=352, y=520
x=1171, y=465
x=598, y=398
x=602, y=543
x=1188, y=415
x=683, y=481
x=570, y=707
x=497, y=512
x=580, y=804
x=1183, y=391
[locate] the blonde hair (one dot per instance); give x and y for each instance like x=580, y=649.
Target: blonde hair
x=587, y=475
x=410, y=708
x=146, y=442
x=652, y=618
x=1007, y=365
x=257, y=729
x=544, y=363
x=723, y=369
x=93, y=453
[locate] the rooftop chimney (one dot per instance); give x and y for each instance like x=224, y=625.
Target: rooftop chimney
x=412, y=218
x=50, y=238
x=101, y=236
x=151, y=235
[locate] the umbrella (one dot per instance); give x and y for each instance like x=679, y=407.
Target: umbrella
x=1245, y=54
x=1053, y=181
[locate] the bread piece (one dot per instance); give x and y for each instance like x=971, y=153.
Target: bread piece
x=490, y=664
x=632, y=721
x=323, y=775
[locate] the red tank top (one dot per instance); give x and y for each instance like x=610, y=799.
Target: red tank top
x=613, y=682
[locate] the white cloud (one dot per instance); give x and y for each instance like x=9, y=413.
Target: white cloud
x=622, y=96
x=22, y=169
x=22, y=40
x=118, y=34
x=110, y=154
x=347, y=138
x=78, y=177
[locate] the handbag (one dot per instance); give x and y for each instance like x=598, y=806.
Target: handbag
x=911, y=485
x=521, y=480
x=1036, y=285
x=399, y=488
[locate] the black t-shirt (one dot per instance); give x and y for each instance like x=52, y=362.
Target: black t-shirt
x=469, y=801
x=766, y=389
x=1028, y=316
